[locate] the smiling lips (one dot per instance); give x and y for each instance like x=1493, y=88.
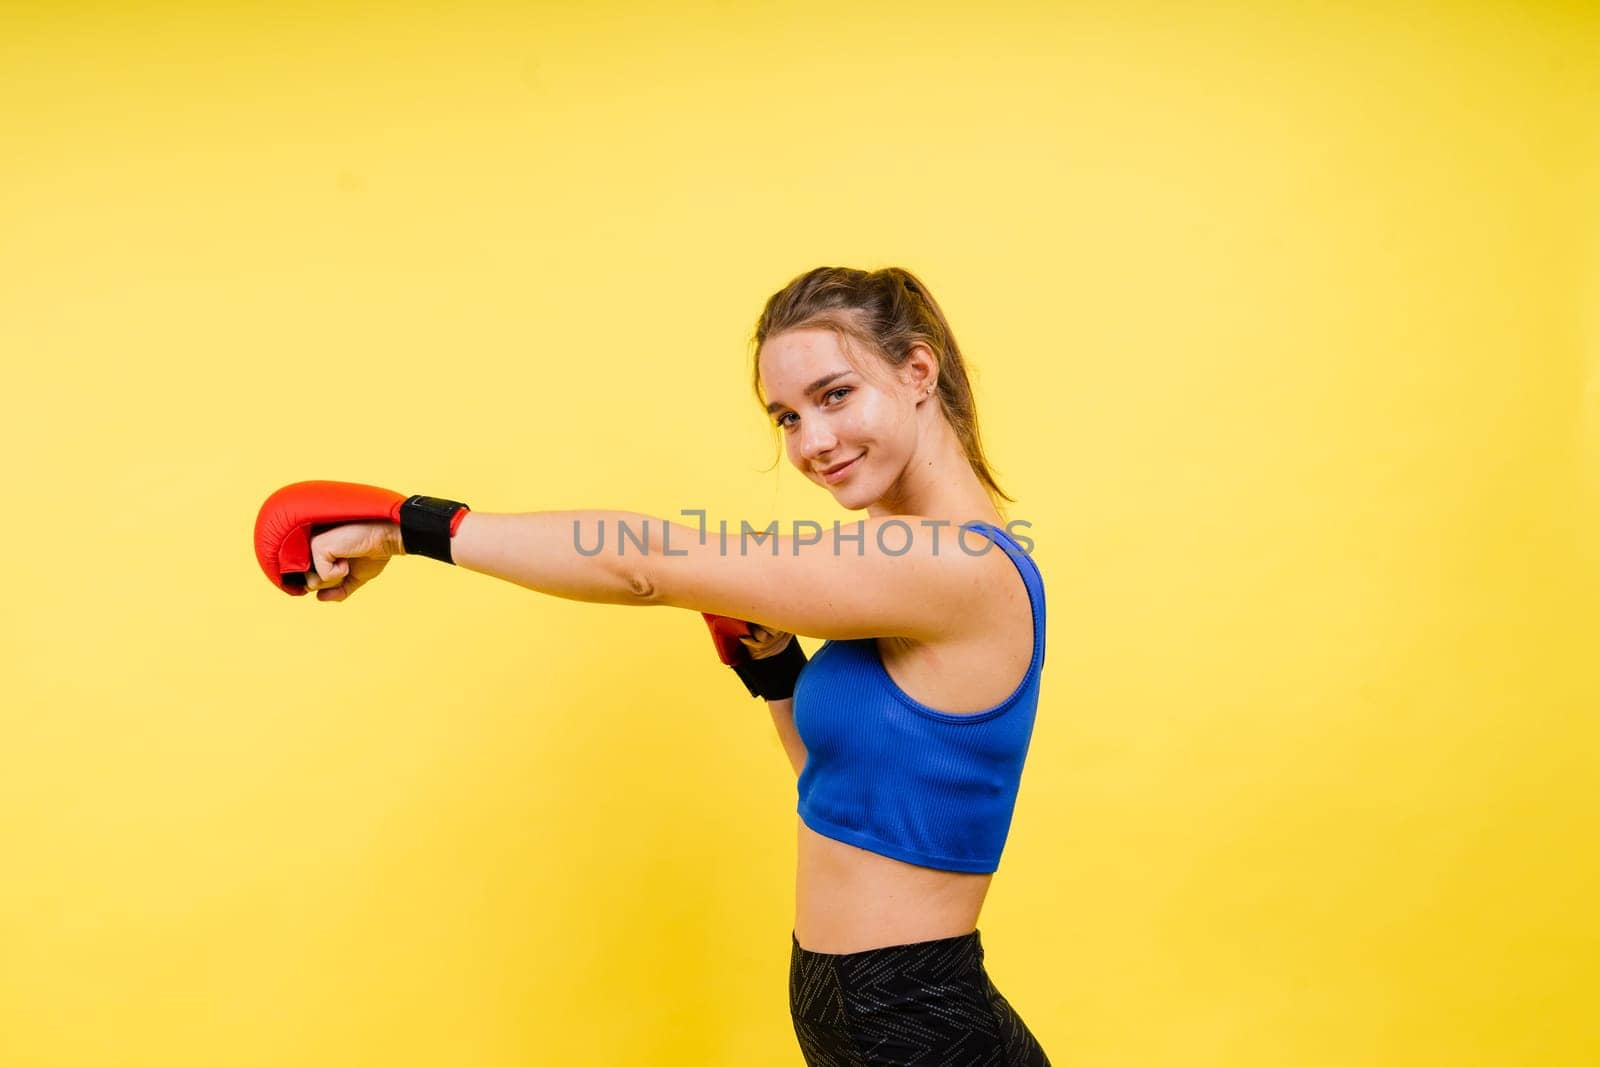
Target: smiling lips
x=833, y=474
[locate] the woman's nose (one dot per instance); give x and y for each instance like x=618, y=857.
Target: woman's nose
x=815, y=440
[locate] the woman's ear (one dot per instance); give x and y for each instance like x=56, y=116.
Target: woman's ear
x=920, y=371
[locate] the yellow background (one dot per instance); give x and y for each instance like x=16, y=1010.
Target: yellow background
x=1283, y=321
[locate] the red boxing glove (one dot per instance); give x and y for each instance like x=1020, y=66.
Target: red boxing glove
x=295, y=514
x=772, y=678
x=726, y=633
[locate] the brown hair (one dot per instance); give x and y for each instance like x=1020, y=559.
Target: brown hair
x=888, y=311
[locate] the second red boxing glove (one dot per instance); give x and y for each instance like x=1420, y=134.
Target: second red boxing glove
x=725, y=632
x=772, y=678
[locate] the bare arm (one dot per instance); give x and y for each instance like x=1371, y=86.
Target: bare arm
x=539, y=550
x=783, y=719
x=799, y=586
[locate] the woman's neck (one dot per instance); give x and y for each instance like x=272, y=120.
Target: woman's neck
x=939, y=482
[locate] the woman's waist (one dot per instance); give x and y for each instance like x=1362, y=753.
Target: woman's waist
x=848, y=895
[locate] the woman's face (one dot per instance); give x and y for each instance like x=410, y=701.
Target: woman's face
x=834, y=417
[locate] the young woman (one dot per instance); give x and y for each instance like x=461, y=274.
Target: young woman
x=909, y=728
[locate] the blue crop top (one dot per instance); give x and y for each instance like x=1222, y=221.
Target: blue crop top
x=891, y=775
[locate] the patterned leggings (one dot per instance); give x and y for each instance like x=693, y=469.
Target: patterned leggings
x=929, y=1003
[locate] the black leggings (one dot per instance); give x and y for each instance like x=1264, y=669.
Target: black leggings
x=929, y=1003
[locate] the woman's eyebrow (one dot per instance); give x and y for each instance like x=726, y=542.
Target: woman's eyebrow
x=813, y=387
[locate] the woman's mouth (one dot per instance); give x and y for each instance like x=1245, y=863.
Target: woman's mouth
x=839, y=473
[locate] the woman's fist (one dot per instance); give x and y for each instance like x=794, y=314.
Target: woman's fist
x=767, y=661
x=349, y=556
x=296, y=513
x=763, y=642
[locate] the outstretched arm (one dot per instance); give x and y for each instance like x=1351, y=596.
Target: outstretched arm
x=865, y=581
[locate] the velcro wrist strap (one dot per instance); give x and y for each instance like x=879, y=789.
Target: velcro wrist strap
x=426, y=524
x=773, y=678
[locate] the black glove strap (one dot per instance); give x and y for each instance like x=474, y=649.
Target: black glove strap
x=773, y=678
x=425, y=526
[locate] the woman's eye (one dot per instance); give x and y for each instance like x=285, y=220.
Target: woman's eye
x=844, y=389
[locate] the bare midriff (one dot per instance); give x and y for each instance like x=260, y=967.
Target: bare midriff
x=849, y=900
